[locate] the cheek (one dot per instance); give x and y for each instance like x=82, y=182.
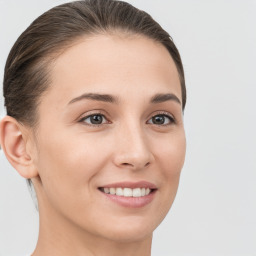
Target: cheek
x=67, y=166
x=171, y=159
x=172, y=155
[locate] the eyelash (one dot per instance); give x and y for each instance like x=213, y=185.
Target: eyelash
x=162, y=114
x=91, y=115
x=165, y=115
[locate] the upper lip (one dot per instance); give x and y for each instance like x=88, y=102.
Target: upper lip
x=130, y=184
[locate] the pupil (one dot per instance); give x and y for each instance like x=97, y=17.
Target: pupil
x=158, y=120
x=96, y=119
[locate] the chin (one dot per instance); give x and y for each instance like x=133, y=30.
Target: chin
x=129, y=236
x=131, y=229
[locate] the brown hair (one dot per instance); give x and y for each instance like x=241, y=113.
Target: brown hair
x=26, y=75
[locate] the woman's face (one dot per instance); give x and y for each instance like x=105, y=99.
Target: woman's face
x=112, y=118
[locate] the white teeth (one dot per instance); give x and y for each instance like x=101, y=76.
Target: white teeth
x=136, y=192
x=143, y=192
x=112, y=191
x=106, y=190
x=119, y=192
x=127, y=192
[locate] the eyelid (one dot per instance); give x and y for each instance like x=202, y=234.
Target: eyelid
x=164, y=113
x=92, y=113
x=102, y=113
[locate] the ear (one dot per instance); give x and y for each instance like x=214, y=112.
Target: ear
x=15, y=140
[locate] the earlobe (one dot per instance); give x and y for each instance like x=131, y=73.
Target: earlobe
x=13, y=140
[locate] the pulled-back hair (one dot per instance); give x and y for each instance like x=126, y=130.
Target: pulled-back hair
x=26, y=75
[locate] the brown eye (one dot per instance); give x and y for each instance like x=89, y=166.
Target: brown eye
x=161, y=120
x=158, y=120
x=95, y=119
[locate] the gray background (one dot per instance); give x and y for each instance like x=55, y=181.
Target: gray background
x=214, y=211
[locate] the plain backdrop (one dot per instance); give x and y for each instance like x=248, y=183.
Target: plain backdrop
x=214, y=213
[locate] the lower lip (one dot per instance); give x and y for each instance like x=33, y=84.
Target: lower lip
x=131, y=202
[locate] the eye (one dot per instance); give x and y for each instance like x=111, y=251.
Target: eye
x=95, y=119
x=162, y=119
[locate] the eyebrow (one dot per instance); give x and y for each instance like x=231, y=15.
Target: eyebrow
x=158, y=98
x=162, y=97
x=97, y=97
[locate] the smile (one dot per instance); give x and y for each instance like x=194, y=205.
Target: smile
x=130, y=194
x=127, y=192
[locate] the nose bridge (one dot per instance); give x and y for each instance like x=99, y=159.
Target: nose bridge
x=133, y=148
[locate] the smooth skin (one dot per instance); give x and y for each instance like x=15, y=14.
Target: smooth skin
x=129, y=138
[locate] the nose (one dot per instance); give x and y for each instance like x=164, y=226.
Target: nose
x=132, y=149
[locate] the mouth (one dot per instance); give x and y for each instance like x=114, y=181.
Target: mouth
x=127, y=192
x=130, y=194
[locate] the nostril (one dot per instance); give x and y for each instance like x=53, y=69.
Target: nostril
x=128, y=164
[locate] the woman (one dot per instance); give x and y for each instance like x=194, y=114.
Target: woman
x=95, y=93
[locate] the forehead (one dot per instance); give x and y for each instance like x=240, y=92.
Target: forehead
x=113, y=64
